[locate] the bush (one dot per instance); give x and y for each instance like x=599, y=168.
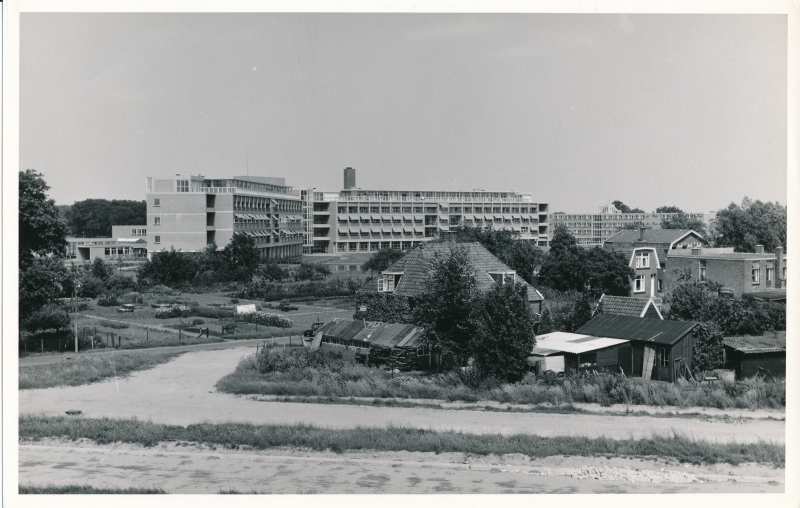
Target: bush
x=197, y=322
x=108, y=300
x=234, y=301
x=266, y=319
x=83, y=306
x=212, y=313
x=48, y=317
x=132, y=297
x=284, y=360
x=168, y=312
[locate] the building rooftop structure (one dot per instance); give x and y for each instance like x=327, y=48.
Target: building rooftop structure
x=413, y=269
x=627, y=306
x=635, y=328
x=770, y=342
x=575, y=343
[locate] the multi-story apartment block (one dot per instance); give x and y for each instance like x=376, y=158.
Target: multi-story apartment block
x=592, y=230
x=358, y=220
x=190, y=212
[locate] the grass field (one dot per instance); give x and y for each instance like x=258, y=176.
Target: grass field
x=85, y=370
x=83, y=489
x=248, y=436
x=361, y=381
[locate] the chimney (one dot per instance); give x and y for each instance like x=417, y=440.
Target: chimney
x=696, y=251
x=759, y=249
x=779, y=281
x=349, y=178
x=641, y=234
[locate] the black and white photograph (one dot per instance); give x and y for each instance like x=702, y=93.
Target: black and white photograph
x=400, y=249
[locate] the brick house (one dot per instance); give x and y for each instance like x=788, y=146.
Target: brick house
x=738, y=272
x=646, y=251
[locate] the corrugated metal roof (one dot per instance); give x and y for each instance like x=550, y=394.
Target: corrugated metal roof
x=636, y=328
x=575, y=343
x=770, y=342
x=376, y=333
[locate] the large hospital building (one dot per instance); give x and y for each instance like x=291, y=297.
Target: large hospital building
x=189, y=212
x=367, y=220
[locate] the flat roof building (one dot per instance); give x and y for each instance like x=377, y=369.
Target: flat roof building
x=591, y=230
x=190, y=212
x=367, y=220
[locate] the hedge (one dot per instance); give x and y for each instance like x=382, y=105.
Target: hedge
x=266, y=319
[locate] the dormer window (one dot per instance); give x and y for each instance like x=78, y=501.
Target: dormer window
x=389, y=281
x=503, y=277
x=643, y=260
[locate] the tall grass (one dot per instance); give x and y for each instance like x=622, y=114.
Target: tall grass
x=51, y=488
x=236, y=435
x=87, y=370
x=354, y=380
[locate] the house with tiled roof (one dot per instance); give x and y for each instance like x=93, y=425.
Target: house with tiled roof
x=627, y=306
x=646, y=251
x=751, y=356
x=409, y=275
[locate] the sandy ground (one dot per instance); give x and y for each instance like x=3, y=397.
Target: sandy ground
x=182, y=392
x=183, y=468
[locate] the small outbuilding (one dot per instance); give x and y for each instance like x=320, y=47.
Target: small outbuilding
x=660, y=349
x=574, y=352
x=751, y=356
x=627, y=306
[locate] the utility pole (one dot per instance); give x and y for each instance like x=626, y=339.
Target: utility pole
x=75, y=311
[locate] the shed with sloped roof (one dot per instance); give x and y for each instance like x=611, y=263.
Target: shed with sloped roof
x=660, y=349
x=627, y=306
x=747, y=355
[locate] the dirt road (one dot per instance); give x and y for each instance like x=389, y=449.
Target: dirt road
x=182, y=392
x=180, y=468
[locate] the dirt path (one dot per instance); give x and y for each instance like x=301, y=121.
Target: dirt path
x=182, y=392
x=181, y=468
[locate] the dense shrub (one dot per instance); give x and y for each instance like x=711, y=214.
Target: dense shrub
x=212, y=313
x=276, y=291
x=108, y=300
x=266, y=319
x=284, y=360
x=48, y=317
x=132, y=297
x=168, y=312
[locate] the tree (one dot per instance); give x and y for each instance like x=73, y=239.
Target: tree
x=312, y=271
x=622, y=207
x=682, y=221
x=168, y=267
x=42, y=232
x=382, y=260
x=546, y=324
x=668, y=209
x=569, y=267
x=504, y=336
x=709, y=348
x=94, y=217
x=48, y=317
x=446, y=306
x=521, y=256
x=242, y=257
x=42, y=283
x=271, y=271
x=581, y=311
x=749, y=224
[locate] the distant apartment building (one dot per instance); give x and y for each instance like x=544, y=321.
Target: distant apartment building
x=190, y=212
x=359, y=220
x=591, y=230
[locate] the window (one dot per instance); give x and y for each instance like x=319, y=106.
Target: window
x=157, y=239
x=183, y=185
x=663, y=357
x=157, y=221
x=638, y=284
x=756, y=272
x=660, y=284
x=769, y=274
x=643, y=260
x=156, y=201
x=380, y=285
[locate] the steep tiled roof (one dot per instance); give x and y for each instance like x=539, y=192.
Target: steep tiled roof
x=625, y=305
x=636, y=328
x=770, y=342
x=726, y=255
x=658, y=236
x=415, y=268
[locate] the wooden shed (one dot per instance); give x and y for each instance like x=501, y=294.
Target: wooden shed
x=748, y=355
x=661, y=350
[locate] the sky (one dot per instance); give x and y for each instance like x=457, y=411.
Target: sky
x=575, y=109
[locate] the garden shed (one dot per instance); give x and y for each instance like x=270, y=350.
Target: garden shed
x=572, y=352
x=400, y=343
x=749, y=355
x=661, y=350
